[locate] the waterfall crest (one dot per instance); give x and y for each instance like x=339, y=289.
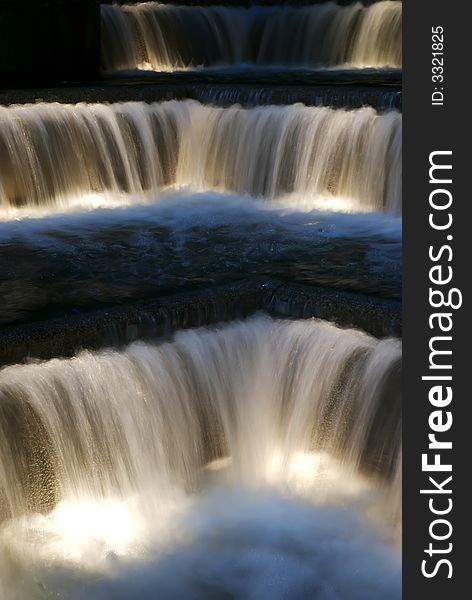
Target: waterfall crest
x=55, y=155
x=262, y=392
x=155, y=36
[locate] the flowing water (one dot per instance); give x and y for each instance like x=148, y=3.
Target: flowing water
x=227, y=462
x=161, y=37
x=257, y=460
x=381, y=98
x=56, y=157
x=64, y=263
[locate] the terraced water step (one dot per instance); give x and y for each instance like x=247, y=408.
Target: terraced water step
x=157, y=37
x=119, y=325
x=381, y=97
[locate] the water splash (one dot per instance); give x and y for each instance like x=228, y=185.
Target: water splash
x=113, y=423
x=239, y=457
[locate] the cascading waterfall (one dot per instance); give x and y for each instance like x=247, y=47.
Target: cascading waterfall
x=114, y=444
x=155, y=36
x=109, y=424
x=56, y=156
x=257, y=459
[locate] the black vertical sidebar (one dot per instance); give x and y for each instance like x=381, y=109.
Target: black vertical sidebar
x=441, y=127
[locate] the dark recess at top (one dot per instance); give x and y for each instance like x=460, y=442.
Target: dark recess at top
x=239, y=2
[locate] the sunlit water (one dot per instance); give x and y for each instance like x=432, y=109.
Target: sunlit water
x=153, y=36
x=57, y=156
x=257, y=460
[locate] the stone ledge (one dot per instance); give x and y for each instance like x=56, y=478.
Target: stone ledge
x=120, y=325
